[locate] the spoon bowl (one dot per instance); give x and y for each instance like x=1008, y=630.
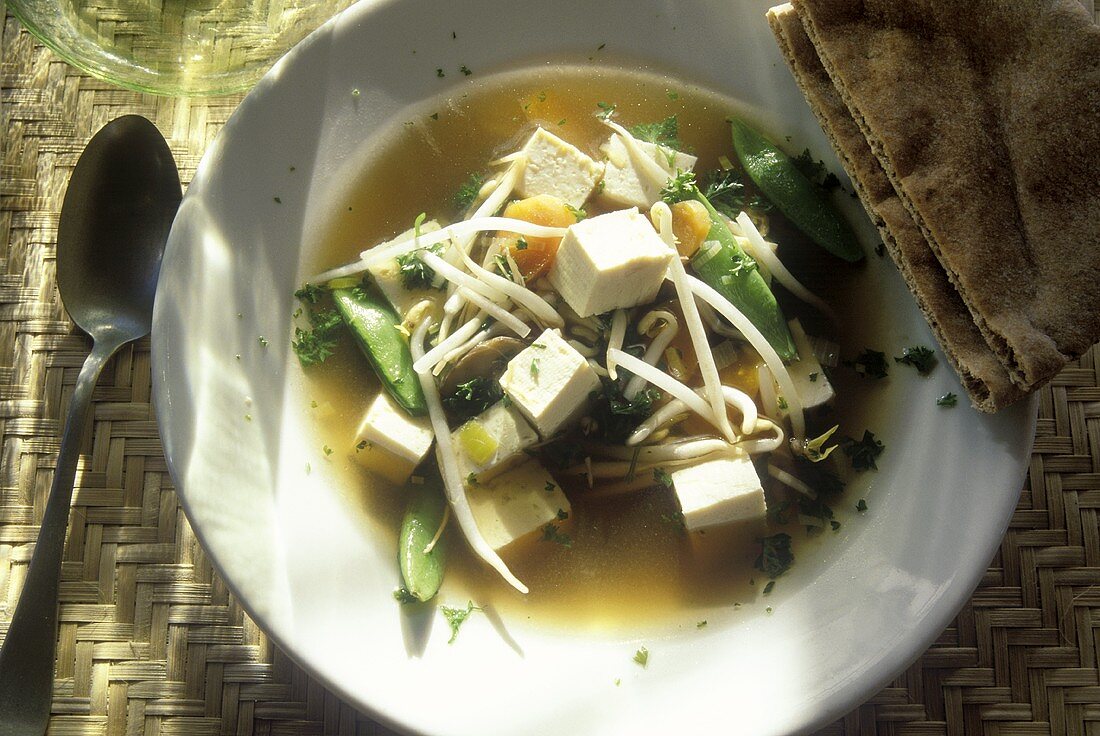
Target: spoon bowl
x=118, y=209
x=123, y=193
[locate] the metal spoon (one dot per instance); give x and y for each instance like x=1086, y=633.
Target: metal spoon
x=118, y=209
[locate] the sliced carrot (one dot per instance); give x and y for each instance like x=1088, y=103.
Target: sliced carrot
x=534, y=256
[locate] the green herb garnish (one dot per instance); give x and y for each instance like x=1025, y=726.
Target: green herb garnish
x=551, y=532
x=870, y=364
x=316, y=344
x=415, y=274
x=815, y=171
x=660, y=476
x=861, y=506
x=456, y=617
x=473, y=397
x=863, y=453
x=642, y=656
x=467, y=193
x=606, y=110
x=921, y=358
x=775, y=556
x=663, y=132
x=948, y=399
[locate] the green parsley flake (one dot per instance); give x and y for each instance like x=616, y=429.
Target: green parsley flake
x=552, y=533
x=465, y=70
x=606, y=110
x=471, y=479
x=642, y=656
x=403, y=596
x=468, y=192
x=549, y=487
x=920, y=357
x=813, y=377
x=861, y=506
x=535, y=368
x=948, y=399
x=663, y=132
x=456, y=617
x=701, y=624
x=863, y=453
x=660, y=476
x=775, y=556
x=769, y=587
x=263, y=341
x=870, y=364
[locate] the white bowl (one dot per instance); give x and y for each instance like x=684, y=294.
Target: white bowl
x=320, y=584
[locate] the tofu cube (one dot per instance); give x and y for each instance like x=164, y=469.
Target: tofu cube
x=549, y=382
x=516, y=503
x=492, y=442
x=624, y=186
x=809, y=380
x=557, y=168
x=387, y=275
x=609, y=261
x=395, y=442
x=720, y=491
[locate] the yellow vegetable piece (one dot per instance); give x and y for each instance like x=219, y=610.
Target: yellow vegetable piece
x=476, y=442
x=534, y=255
x=690, y=224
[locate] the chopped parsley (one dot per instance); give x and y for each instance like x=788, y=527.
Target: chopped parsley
x=550, y=487
x=468, y=192
x=660, y=476
x=465, y=70
x=456, y=617
x=920, y=357
x=521, y=244
x=439, y=73
x=701, y=624
x=577, y=212
x=616, y=416
x=606, y=110
x=725, y=190
x=362, y=445
x=769, y=587
x=870, y=364
x=813, y=377
x=642, y=656
x=473, y=397
x=471, y=479
x=535, y=369
x=815, y=171
x=775, y=556
x=863, y=453
x=415, y=274
x=316, y=344
x=263, y=341
x=948, y=399
x=680, y=187
x=880, y=250
x=551, y=532
x=861, y=506
x=663, y=132
x=327, y=450
x=402, y=595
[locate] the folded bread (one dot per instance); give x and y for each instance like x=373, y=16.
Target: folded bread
x=985, y=119
x=984, y=378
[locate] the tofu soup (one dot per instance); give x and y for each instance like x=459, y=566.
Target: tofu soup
x=576, y=355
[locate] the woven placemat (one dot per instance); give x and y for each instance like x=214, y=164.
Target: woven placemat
x=151, y=641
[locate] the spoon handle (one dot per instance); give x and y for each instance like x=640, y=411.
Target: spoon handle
x=27, y=656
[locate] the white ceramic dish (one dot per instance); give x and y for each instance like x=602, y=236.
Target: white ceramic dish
x=261, y=497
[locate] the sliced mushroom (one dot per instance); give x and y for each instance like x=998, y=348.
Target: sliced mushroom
x=487, y=359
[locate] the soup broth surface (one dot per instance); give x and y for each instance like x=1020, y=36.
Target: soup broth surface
x=629, y=560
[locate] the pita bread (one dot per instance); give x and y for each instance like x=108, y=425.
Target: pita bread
x=984, y=378
x=985, y=116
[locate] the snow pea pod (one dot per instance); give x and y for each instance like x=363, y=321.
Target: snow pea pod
x=803, y=202
x=727, y=269
x=374, y=325
x=422, y=572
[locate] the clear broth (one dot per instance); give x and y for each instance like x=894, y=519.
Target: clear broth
x=630, y=560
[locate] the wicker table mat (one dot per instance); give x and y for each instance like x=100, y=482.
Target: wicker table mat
x=151, y=641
